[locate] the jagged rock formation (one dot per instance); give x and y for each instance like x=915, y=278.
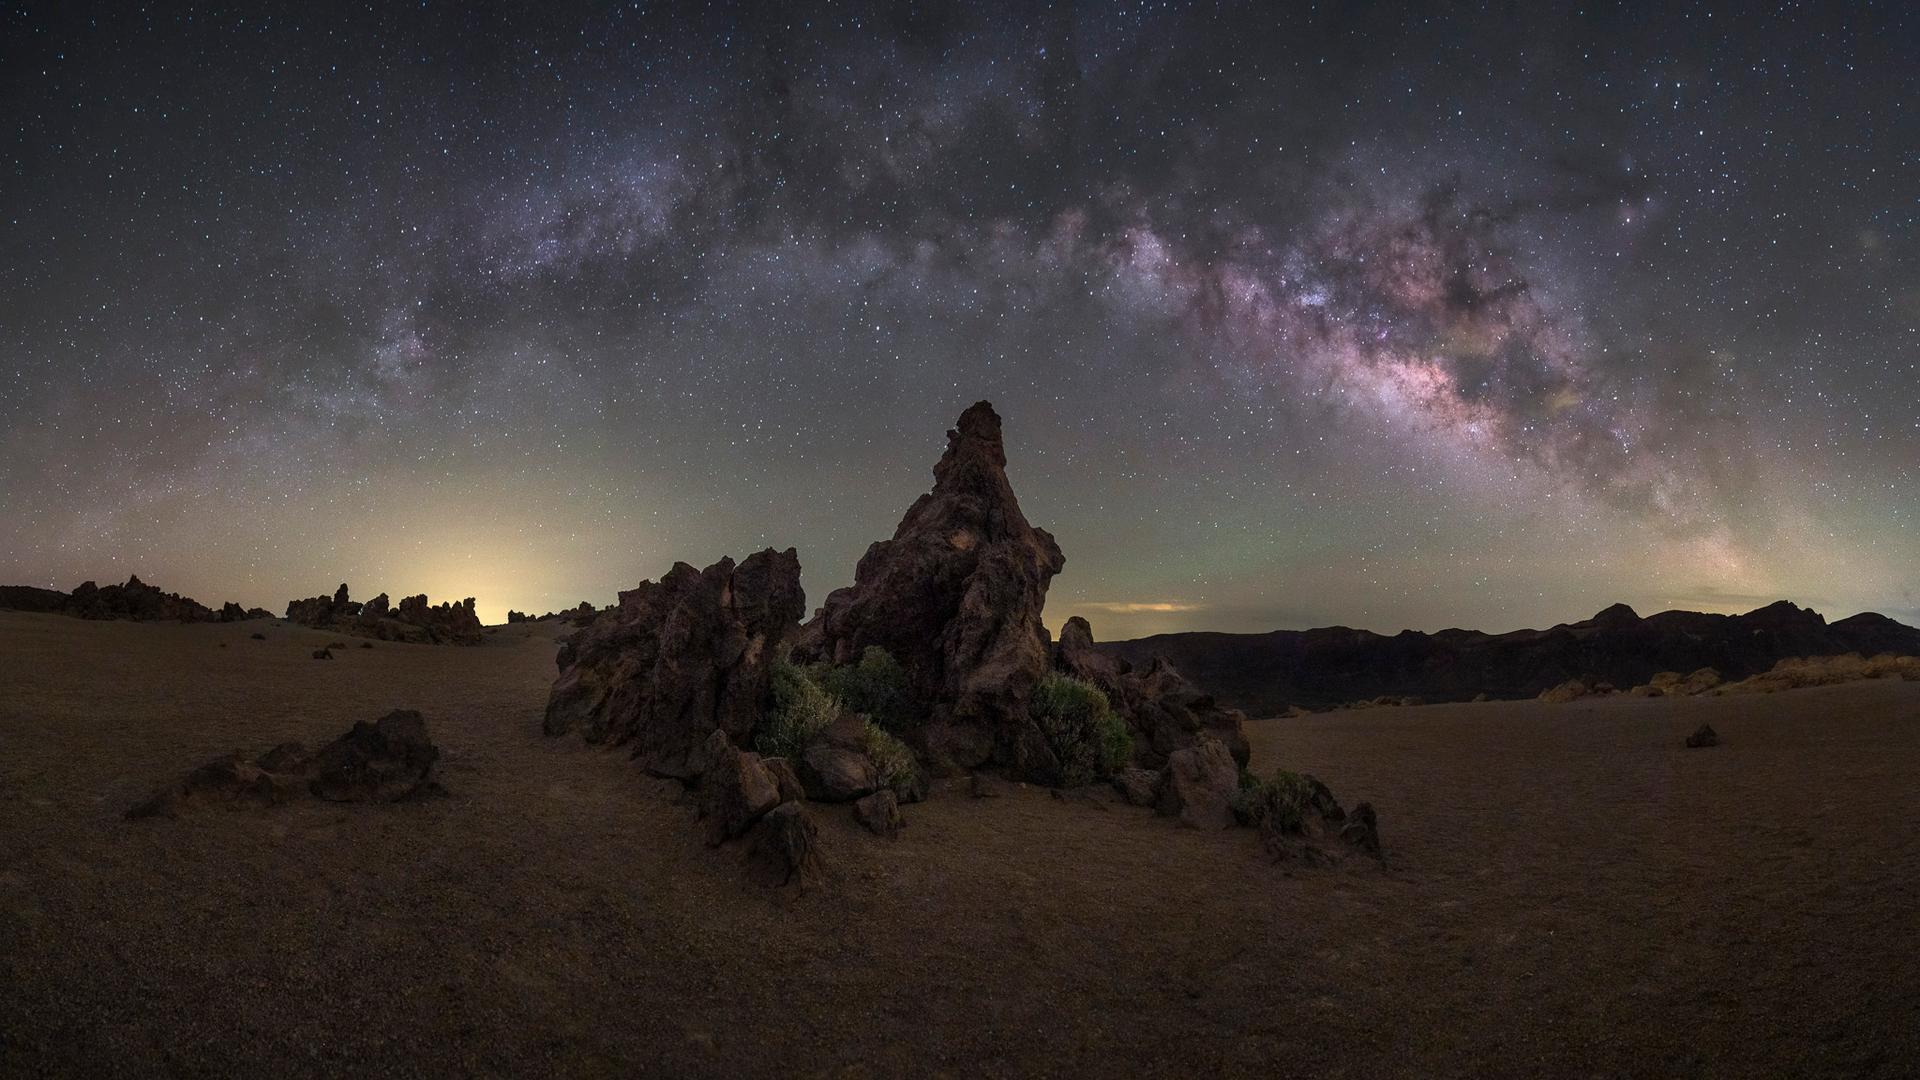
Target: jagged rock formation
x=1267, y=673
x=384, y=761
x=1165, y=712
x=680, y=659
x=136, y=600
x=955, y=597
x=413, y=621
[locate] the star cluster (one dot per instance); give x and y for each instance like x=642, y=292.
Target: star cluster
x=1298, y=315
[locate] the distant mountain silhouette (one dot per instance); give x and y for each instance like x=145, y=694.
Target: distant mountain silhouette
x=1266, y=673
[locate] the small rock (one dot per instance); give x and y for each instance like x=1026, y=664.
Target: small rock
x=982, y=786
x=1139, y=787
x=322, y=654
x=1706, y=736
x=259, y=637
x=1362, y=829
x=880, y=813
x=785, y=779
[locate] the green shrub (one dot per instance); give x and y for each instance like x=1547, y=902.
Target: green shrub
x=1087, y=739
x=893, y=764
x=800, y=710
x=1281, y=802
x=875, y=687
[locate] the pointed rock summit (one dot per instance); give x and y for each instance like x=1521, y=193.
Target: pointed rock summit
x=955, y=597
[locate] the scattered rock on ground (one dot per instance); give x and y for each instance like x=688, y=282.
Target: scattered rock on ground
x=786, y=845
x=880, y=813
x=1705, y=736
x=384, y=761
x=1139, y=787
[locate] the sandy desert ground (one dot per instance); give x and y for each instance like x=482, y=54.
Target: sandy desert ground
x=1567, y=891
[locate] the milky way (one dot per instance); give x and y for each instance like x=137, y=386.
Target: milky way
x=1390, y=319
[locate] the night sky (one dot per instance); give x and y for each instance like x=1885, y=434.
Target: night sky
x=1360, y=317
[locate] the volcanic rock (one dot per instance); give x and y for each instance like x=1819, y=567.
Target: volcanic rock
x=384, y=761
x=785, y=779
x=322, y=654
x=1199, y=784
x=786, y=845
x=1139, y=787
x=955, y=597
x=734, y=791
x=679, y=659
x=1362, y=829
x=1164, y=711
x=1704, y=736
x=880, y=813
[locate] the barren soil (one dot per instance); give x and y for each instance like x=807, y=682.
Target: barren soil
x=1567, y=891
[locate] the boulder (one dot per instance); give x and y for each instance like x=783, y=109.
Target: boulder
x=679, y=659
x=880, y=813
x=955, y=597
x=384, y=761
x=786, y=845
x=1703, y=737
x=322, y=654
x=1199, y=785
x=835, y=774
x=734, y=791
x=1139, y=787
x=1164, y=711
x=785, y=779
x=1362, y=829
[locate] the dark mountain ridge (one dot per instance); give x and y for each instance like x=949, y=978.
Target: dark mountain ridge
x=1267, y=673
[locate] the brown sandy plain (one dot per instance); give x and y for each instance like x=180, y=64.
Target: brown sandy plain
x=1567, y=891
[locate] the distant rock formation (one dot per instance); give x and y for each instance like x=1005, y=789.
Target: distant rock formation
x=679, y=659
x=1165, y=712
x=955, y=597
x=1267, y=673
x=136, y=600
x=413, y=621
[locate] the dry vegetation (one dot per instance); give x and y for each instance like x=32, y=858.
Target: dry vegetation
x=1567, y=891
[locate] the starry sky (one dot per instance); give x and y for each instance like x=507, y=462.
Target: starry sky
x=1297, y=314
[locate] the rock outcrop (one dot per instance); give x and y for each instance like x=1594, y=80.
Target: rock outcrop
x=955, y=596
x=679, y=659
x=135, y=600
x=413, y=621
x=1164, y=711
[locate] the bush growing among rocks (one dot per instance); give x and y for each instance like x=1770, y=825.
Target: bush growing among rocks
x=875, y=687
x=1085, y=736
x=800, y=711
